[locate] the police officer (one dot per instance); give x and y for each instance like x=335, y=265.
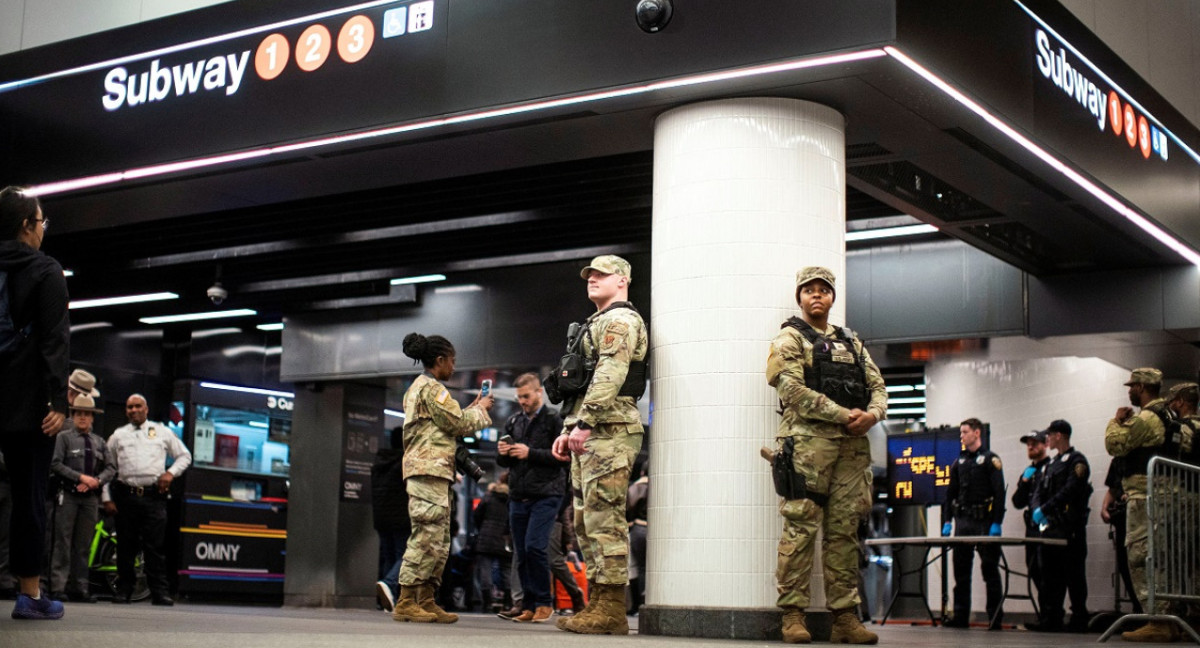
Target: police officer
x=1060, y=509
x=976, y=501
x=602, y=435
x=831, y=393
x=1138, y=438
x=138, y=496
x=1035, y=449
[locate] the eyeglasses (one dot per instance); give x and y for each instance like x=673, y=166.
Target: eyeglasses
x=45, y=223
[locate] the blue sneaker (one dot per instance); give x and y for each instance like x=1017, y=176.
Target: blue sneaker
x=37, y=608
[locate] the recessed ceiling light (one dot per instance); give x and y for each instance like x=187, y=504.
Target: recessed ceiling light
x=189, y=317
x=418, y=279
x=277, y=326
x=116, y=301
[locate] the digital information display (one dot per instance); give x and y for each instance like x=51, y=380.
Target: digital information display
x=919, y=466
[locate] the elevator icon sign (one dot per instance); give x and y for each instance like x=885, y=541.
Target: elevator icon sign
x=405, y=20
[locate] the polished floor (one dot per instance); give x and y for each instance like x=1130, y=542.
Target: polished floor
x=213, y=626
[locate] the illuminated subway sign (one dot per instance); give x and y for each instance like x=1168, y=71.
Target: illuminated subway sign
x=1124, y=119
x=158, y=83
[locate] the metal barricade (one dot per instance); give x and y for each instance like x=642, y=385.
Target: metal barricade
x=1173, y=553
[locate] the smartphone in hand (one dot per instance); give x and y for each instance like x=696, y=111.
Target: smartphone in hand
x=486, y=389
x=507, y=438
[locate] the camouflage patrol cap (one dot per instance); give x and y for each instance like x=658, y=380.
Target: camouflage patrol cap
x=1181, y=389
x=811, y=273
x=1144, y=376
x=608, y=264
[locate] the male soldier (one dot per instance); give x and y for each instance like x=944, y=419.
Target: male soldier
x=138, y=497
x=82, y=462
x=602, y=434
x=1138, y=439
x=1060, y=509
x=1035, y=449
x=1182, y=399
x=831, y=393
x=975, y=498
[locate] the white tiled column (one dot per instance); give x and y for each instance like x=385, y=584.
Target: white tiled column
x=746, y=192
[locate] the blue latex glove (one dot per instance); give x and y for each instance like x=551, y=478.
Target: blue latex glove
x=947, y=528
x=995, y=530
x=1039, y=518
x=1029, y=473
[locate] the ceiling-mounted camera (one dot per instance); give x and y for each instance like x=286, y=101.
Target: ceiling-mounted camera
x=217, y=293
x=653, y=15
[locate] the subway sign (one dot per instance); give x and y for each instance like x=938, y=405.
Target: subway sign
x=1079, y=86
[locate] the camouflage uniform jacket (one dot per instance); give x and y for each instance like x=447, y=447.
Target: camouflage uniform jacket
x=433, y=421
x=617, y=337
x=807, y=412
x=1145, y=429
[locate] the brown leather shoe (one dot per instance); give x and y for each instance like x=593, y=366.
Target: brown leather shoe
x=542, y=614
x=525, y=616
x=511, y=613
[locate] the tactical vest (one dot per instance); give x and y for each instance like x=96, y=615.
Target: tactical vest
x=573, y=374
x=837, y=369
x=1137, y=462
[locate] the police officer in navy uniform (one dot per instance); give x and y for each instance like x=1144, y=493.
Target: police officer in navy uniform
x=975, y=500
x=1060, y=509
x=1035, y=447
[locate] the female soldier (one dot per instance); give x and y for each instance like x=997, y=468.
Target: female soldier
x=433, y=421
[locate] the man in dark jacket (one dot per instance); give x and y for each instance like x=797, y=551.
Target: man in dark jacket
x=34, y=352
x=389, y=514
x=536, y=482
x=1035, y=447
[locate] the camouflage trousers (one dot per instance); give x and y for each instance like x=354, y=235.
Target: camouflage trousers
x=840, y=468
x=429, y=545
x=600, y=480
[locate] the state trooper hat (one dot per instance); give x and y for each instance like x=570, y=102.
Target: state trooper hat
x=608, y=264
x=1145, y=376
x=83, y=382
x=85, y=403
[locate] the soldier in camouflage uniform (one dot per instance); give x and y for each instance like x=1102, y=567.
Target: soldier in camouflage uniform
x=433, y=422
x=1137, y=439
x=827, y=420
x=602, y=434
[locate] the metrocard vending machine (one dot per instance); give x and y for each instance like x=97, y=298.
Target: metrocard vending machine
x=233, y=530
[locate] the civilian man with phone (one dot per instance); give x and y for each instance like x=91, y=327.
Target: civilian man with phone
x=536, y=481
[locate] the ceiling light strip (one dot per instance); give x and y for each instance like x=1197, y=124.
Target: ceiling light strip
x=418, y=279
x=659, y=86
x=392, y=412
x=1074, y=176
x=1110, y=82
x=13, y=85
x=277, y=326
x=191, y=317
x=116, y=301
x=247, y=390
x=889, y=232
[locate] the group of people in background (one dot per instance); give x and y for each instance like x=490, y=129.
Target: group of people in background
x=1054, y=491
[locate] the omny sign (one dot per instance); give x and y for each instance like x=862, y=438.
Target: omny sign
x=1070, y=76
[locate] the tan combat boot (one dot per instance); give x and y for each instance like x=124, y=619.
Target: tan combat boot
x=561, y=624
x=407, y=608
x=1153, y=632
x=604, y=615
x=794, y=630
x=848, y=629
x=426, y=601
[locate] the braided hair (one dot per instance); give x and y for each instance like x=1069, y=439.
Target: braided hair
x=426, y=350
x=16, y=208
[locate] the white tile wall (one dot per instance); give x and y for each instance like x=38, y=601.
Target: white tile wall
x=1019, y=396
x=746, y=192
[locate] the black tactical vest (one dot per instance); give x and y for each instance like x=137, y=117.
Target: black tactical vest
x=1137, y=462
x=837, y=369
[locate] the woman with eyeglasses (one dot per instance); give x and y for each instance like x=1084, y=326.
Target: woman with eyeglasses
x=34, y=353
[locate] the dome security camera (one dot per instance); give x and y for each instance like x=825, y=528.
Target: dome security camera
x=217, y=293
x=653, y=15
